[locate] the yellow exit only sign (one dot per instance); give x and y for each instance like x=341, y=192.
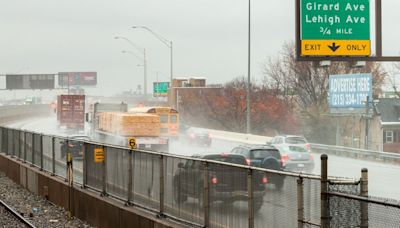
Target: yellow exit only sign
x=335, y=48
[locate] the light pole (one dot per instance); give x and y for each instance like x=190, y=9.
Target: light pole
x=143, y=51
x=248, y=111
x=167, y=43
x=144, y=70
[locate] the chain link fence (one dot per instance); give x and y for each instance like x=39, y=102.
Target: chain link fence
x=204, y=193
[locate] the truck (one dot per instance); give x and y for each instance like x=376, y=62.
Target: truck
x=71, y=112
x=111, y=123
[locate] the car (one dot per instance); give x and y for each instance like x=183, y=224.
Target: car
x=295, y=152
x=74, y=145
x=227, y=184
x=263, y=156
x=197, y=136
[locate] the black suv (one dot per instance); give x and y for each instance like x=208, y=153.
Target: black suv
x=263, y=156
x=227, y=184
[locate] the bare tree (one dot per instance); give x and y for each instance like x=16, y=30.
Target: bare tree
x=305, y=88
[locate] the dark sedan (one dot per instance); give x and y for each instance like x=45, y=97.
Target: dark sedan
x=197, y=136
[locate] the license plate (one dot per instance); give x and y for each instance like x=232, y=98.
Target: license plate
x=300, y=165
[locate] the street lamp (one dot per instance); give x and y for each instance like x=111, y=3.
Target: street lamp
x=143, y=51
x=248, y=111
x=167, y=43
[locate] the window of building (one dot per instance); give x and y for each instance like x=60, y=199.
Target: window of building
x=387, y=136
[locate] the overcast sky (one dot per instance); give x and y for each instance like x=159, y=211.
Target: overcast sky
x=209, y=37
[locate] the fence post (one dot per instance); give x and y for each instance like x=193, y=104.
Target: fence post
x=104, y=173
x=67, y=154
x=250, y=198
x=364, y=192
x=6, y=140
x=324, y=190
x=41, y=152
x=33, y=149
x=20, y=144
x=161, y=164
x=53, y=156
x=300, y=203
x=25, y=146
x=130, y=174
x=206, y=192
x=12, y=143
x=84, y=165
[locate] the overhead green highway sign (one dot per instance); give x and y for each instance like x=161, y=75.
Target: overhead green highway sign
x=335, y=28
x=160, y=89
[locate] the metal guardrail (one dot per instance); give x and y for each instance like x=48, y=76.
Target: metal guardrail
x=356, y=153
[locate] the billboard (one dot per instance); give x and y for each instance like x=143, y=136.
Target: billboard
x=160, y=89
x=349, y=91
x=30, y=81
x=66, y=79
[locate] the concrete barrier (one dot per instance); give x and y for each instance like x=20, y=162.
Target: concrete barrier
x=239, y=137
x=18, y=112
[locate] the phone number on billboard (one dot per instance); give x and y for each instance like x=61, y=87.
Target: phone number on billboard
x=349, y=99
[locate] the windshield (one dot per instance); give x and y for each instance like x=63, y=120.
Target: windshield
x=163, y=118
x=295, y=140
x=260, y=154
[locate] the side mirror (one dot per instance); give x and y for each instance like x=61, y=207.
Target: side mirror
x=180, y=165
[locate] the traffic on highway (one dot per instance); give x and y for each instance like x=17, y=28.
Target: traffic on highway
x=206, y=113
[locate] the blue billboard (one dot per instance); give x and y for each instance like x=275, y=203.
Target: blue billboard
x=349, y=90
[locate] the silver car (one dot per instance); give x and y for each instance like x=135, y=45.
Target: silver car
x=295, y=153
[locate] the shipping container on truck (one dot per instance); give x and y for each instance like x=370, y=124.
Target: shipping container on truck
x=71, y=111
x=112, y=124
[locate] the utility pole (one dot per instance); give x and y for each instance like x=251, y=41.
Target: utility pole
x=366, y=122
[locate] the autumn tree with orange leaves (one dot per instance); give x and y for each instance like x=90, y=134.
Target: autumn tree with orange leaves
x=225, y=109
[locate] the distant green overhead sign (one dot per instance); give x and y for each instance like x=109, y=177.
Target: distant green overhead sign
x=160, y=89
x=335, y=27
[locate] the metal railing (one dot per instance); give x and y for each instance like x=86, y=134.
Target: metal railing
x=356, y=153
x=185, y=188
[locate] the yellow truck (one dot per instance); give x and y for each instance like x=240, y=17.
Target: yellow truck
x=111, y=123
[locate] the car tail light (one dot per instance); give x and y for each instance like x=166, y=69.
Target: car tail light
x=248, y=161
x=284, y=159
x=264, y=180
x=214, y=180
x=224, y=154
x=308, y=146
x=311, y=157
x=70, y=145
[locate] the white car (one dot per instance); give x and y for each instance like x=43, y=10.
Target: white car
x=295, y=152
